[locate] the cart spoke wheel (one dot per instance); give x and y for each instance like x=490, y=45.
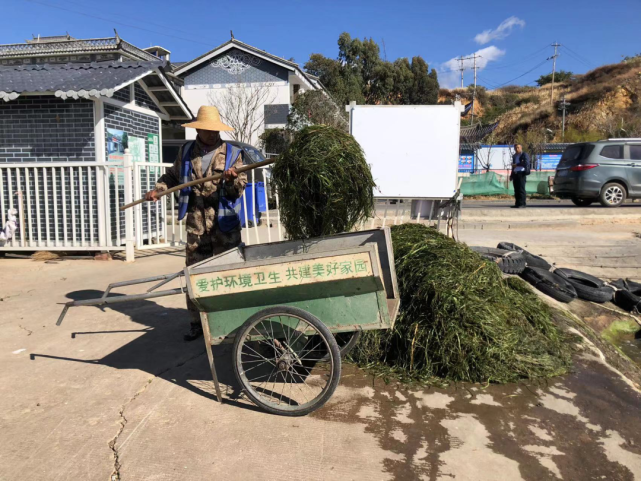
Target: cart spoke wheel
x=346, y=342
x=286, y=360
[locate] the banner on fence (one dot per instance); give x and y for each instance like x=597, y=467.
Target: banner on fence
x=466, y=163
x=491, y=183
x=550, y=161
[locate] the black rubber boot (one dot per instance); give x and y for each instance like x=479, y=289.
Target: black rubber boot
x=195, y=331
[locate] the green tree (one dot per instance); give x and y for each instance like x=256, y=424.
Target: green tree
x=403, y=82
x=315, y=107
x=359, y=74
x=560, y=76
x=424, y=85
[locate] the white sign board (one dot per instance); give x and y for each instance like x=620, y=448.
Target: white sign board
x=498, y=157
x=413, y=150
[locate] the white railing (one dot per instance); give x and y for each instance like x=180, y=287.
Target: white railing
x=399, y=210
x=266, y=232
x=151, y=222
x=60, y=206
x=75, y=206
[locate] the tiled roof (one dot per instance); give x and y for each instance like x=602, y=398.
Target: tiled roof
x=293, y=65
x=79, y=79
x=66, y=47
x=476, y=132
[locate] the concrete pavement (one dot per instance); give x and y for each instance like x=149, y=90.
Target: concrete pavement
x=116, y=393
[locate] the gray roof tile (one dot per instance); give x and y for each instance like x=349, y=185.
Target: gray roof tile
x=73, y=76
x=72, y=46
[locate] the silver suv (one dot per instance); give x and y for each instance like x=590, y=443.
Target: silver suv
x=608, y=171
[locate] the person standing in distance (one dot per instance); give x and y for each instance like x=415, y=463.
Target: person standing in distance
x=518, y=176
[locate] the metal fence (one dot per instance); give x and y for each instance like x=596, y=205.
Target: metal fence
x=58, y=205
x=74, y=206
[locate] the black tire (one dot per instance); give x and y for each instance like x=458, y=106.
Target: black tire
x=321, y=331
x=627, y=285
x=581, y=202
x=634, y=287
x=531, y=260
x=587, y=287
x=346, y=342
x=619, y=284
x=550, y=283
x=612, y=194
x=627, y=301
x=509, y=262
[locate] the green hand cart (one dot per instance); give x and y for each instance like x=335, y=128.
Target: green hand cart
x=291, y=309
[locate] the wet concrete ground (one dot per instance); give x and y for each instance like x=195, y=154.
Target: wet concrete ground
x=117, y=393
x=582, y=426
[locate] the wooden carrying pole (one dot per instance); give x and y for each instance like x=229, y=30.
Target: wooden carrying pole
x=211, y=178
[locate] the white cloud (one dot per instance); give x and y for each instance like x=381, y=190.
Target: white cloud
x=500, y=32
x=449, y=74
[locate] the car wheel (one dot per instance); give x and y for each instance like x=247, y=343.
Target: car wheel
x=612, y=195
x=582, y=202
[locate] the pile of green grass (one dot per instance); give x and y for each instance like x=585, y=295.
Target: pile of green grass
x=324, y=185
x=461, y=320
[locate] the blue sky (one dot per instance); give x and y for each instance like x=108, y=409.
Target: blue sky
x=512, y=38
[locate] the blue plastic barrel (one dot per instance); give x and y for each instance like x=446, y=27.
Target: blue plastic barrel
x=254, y=205
x=260, y=194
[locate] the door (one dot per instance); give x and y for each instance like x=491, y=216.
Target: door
x=634, y=170
x=613, y=166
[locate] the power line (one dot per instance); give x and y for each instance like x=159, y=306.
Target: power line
x=523, y=60
x=492, y=85
x=582, y=62
x=139, y=19
x=523, y=74
x=580, y=57
x=120, y=23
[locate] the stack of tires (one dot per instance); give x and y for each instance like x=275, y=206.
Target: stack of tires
x=564, y=285
x=627, y=294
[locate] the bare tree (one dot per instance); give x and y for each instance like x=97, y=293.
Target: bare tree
x=484, y=156
x=241, y=107
x=533, y=141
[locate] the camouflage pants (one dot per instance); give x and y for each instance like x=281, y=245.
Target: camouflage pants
x=201, y=247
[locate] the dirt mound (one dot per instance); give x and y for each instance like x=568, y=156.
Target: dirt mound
x=603, y=103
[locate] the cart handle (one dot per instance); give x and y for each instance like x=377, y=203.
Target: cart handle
x=211, y=178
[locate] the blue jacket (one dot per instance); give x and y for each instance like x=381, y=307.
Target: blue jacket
x=521, y=162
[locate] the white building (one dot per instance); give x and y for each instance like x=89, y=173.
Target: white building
x=243, y=81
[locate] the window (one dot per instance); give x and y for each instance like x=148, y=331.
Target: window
x=575, y=153
x=635, y=152
x=254, y=155
x=572, y=153
x=612, y=151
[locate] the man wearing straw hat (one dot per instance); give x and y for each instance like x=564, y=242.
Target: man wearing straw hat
x=212, y=209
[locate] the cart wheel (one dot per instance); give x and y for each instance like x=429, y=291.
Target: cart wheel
x=286, y=360
x=346, y=342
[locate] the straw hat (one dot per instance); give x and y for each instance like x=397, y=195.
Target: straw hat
x=208, y=119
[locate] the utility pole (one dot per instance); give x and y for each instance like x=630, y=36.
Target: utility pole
x=474, y=93
x=562, y=106
x=553, y=57
x=461, y=68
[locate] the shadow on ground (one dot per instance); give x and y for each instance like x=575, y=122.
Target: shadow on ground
x=160, y=349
